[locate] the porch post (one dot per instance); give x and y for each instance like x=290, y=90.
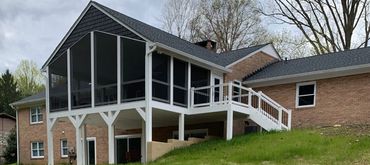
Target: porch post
x=229, y=125
x=181, y=126
x=148, y=98
x=143, y=142
x=111, y=143
x=50, y=125
x=77, y=122
x=109, y=118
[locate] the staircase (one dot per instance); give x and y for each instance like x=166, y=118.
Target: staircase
x=263, y=110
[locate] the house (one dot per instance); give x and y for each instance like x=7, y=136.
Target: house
x=7, y=124
x=119, y=90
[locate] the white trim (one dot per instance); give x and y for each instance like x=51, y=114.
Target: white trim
x=69, y=87
x=92, y=67
x=268, y=49
x=88, y=139
x=119, y=69
x=127, y=136
x=37, y=149
x=171, y=80
x=298, y=85
x=61, y=148
x=309, y=76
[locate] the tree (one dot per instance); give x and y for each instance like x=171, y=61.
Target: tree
x=10, y=153
x=8, y=93
x=232, y=24
x=328, y=25
x=29, y=78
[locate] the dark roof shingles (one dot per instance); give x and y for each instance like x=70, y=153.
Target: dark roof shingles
x=314, y=63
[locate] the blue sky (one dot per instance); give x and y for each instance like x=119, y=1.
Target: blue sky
x=32, y=29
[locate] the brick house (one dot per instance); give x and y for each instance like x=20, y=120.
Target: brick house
x=119, y=90
x=7, y=124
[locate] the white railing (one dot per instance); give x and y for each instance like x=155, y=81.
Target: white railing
x=230, y=93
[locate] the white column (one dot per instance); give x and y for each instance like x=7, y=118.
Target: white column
x=143, y=142
x=50, y=139
x=69, y=79
x=171, y=80
x=118, y=69
x=181, y=126
x=79, y=148
x=229, y=125
x=111, y=143
x=148, y=98
x=48, y=122
x=79, y=126
x=92, y=69
x=189, y=85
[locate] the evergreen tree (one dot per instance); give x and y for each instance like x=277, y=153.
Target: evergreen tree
x=10, y=153
x=8, y=93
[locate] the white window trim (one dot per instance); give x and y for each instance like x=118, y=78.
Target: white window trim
x=39, y=121
x=38, y=148
x=297, y=94
x=61, y=148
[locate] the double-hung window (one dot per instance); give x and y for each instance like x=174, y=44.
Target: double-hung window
x=36, y=115
x=37, y=150
x=306, y=94
x=63, y=148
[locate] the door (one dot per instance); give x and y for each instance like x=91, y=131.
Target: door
x=91, y=153
x=128, y=149
x=217, y=91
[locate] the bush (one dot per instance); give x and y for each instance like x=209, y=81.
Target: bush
x=10, y=153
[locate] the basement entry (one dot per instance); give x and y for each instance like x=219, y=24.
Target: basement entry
x=128, y=148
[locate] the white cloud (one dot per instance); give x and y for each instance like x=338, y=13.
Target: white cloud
x=32, y=29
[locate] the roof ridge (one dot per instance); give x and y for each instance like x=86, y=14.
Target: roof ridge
x=262, y=45
x=327, y=54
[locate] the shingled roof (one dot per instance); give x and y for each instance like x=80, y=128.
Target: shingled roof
x=323, y=62
x=34, y=98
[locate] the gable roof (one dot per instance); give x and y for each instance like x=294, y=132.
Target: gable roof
x=34, y=98
x=318, y=63
x=227, y=58
x=156, y=35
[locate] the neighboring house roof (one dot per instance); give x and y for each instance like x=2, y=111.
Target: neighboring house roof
x=5, y=115
x=318, y=63
x=34, y=98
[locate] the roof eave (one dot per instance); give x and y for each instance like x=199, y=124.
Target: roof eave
x=308, y=76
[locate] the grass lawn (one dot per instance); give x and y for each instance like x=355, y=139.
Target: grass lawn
x=295, y=147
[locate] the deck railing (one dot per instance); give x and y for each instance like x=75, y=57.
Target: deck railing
x=230, y=93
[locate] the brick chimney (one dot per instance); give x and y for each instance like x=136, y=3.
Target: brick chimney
x=208, y=44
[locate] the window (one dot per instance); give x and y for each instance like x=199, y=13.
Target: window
x=36, y=115
x=105, y=69
x=37, y=150
x=81, y=73
x=200, y=77
x=58, y=90
x=132, y=70
x=306, y=93
x=161, y=77
x=63, y=148
x=180, y=82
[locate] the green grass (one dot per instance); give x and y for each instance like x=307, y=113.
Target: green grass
x=295, y=147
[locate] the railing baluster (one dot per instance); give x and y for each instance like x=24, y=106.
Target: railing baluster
x=192, y=98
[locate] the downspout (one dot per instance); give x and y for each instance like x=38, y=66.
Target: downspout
x=17, y=130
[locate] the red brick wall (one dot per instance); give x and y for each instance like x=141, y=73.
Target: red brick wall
x=248, y=66
x=342, y=100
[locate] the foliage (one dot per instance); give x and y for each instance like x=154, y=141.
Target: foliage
x=232, y=24
x=29, y=78
x=295, y=147
x=10, y=153
x=8, y=93
x=328, y=25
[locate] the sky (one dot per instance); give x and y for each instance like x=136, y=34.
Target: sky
x=32, y=29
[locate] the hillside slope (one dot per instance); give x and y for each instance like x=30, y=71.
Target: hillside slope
x=295, y=147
